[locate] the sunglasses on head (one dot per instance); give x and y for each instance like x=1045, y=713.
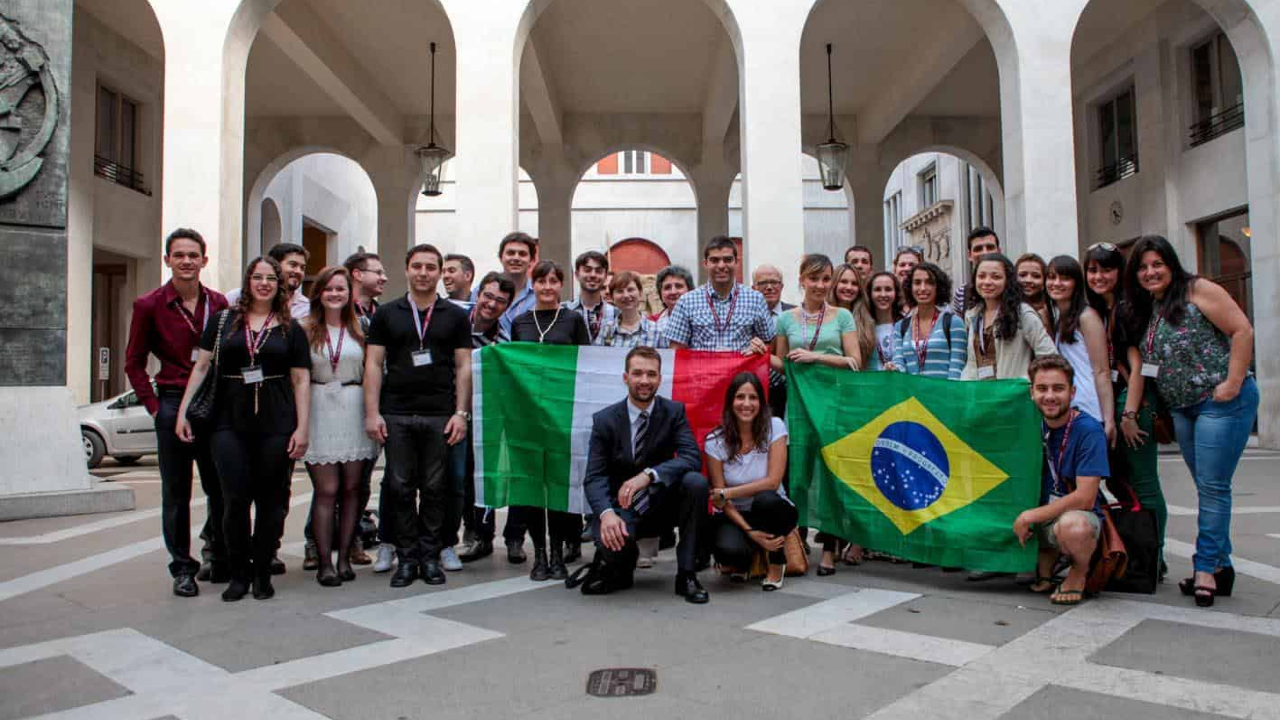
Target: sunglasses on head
x=1109, y=247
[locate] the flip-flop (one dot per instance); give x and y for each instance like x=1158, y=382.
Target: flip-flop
x=1048, y=582
x=1067, y=597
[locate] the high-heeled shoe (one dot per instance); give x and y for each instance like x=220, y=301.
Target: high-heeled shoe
x=1223, y=577
x=346, y=574
x=826, y=571
x=326, y=577
x=769, y=585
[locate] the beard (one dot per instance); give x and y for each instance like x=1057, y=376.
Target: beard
x=642, y=395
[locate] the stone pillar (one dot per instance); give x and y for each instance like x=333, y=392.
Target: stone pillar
x=865, y=180
x=555, y=225
x=487, y=104
x=203, y=168
x=769, y=113
x=393, y=170
x=44, y=462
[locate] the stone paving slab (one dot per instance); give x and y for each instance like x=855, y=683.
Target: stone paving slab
x=1058, y=703
x=968, y=620
x=1240, y=659
x=52, y=685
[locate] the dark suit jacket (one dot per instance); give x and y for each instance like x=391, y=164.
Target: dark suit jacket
x=669, y=449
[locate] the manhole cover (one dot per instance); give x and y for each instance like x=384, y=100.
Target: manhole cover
x=622, y=682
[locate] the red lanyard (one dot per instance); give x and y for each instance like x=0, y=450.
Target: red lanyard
x=256, y=341
x=335, y=354
x=922, y=348
x=189, y=319
x=1056, y=466
x=360, y=311
x=1151, y=335
x=822, y=317
x=728, y=319
x=421, y=324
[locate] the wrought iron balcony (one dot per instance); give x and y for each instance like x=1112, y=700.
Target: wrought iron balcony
x=1217, y=125
x=1113, y=173
x=119, y=174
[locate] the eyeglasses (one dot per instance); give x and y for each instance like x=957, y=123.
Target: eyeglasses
x=264, y=278
x=768, y=283
x=1109, y=247
x=913, y=248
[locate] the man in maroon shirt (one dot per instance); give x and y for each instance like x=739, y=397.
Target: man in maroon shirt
x=167, y=323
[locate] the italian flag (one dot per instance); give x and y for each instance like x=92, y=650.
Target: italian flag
x=532, y=406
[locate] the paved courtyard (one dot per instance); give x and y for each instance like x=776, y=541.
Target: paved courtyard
x=89, y=629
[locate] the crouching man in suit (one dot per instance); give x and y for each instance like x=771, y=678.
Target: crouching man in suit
x=642, y=478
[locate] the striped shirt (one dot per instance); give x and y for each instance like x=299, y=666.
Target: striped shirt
x=939, y=361
x=494, y=336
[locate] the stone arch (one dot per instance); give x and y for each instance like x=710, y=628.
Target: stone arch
x=271, y=227
x=639, y=255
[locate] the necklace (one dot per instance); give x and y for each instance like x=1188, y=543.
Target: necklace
x=542, y=334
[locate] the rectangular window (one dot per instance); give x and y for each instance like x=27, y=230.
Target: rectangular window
x=928, y=186
x=608, y=165
x=1118, y=136
x=893, y=222
x=116, y=140
x=1217, y=90
x=659, y=165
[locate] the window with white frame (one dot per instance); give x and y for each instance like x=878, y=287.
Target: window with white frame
x=1217, y=90
x=1118, y=138
x=116, y=139
x=634, y=162
x=928, y=186
x=893, y=222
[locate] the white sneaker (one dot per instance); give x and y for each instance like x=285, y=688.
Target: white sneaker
x=386, y=555
x=449, y=560
x=648, y=551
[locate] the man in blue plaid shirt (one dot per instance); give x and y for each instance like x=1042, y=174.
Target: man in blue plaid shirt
x=723, y=314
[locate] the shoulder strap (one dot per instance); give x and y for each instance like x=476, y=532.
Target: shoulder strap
x=217, y=342
x=903, y=326
x=946, y=328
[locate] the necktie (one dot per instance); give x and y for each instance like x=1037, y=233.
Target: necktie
x=642, y=427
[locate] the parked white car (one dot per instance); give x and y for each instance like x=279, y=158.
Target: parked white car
x=120, y=427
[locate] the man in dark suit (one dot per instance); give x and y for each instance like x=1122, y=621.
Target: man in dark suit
x=642, y=478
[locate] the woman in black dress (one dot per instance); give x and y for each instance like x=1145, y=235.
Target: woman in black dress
x=549, y=323
x=260, y=419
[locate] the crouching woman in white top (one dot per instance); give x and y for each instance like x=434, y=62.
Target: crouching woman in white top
x=746, y=457
x=339, y=447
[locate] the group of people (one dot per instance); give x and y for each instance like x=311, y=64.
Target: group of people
x=333, y=378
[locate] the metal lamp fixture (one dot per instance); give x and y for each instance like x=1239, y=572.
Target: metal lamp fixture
x=431, y=156
x=832, y=153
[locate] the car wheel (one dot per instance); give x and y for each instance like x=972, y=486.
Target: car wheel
x=126, y=459
x=94, y=448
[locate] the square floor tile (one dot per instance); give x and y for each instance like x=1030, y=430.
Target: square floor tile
x=1242, y=659
x=51, y=685
x=1053, y=702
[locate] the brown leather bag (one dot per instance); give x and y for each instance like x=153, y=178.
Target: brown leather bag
x=1110, y=559
x=797, y=560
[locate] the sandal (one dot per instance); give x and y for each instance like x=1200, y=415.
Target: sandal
x=1040, y=580
x=1067, y=597
x=1205, y=595
x=824, y=571
x=853, y=555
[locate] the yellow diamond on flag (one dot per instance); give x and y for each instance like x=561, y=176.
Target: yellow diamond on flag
x=910, y=466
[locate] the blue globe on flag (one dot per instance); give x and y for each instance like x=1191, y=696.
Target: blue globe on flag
x=909, y=465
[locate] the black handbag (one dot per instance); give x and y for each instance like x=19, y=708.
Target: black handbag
x=201, y=406
x=1137, y=527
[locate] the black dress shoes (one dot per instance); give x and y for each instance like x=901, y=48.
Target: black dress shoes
x=432, y=573
x=277, y=566
x=185, y=586
x=262, y=587
x=406, y=572
x=555, y=566
x=236, y=590
x=539, y=572
x=688, y=587
x=480, y=550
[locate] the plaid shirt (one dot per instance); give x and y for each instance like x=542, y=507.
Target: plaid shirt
x=776, y=377
x=597, y=317
x=645, y=334
x=700, y=323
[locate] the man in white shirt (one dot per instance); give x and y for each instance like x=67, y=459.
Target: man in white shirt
x=293, y=261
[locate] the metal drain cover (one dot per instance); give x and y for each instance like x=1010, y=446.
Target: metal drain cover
x=622, y=682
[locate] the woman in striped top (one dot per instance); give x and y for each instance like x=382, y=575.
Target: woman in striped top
x=930, y=342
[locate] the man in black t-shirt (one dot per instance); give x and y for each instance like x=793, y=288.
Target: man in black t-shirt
x=418, y=408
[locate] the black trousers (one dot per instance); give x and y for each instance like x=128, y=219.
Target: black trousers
x=254, y=470
x=457, y=479
x=682, y=505
x=769, y=513
x=413, y=486
x=175, y=460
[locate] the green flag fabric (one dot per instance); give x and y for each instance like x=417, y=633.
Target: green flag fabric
x=929, y=470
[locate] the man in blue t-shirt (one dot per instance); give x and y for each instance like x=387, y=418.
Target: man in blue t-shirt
x=1069, y=519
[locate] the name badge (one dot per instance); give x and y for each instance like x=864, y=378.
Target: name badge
x=195, y=354
x=1115, y=376
x=252, y=375
x=1150, y=370
x=986, y=372
x=421, y=358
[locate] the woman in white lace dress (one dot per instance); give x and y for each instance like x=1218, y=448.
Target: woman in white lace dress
x=339, y=447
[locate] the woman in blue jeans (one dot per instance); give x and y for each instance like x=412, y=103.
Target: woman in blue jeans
x=1196, y=346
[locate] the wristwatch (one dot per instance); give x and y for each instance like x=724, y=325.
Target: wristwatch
x=465, y=415
x=1129, y=415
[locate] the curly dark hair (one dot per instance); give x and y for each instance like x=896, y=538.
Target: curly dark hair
x=279, y=303
x=941, y=282
x=1006, y=327
x=728, y=428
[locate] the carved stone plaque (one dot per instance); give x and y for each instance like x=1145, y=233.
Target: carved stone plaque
x=35, y=80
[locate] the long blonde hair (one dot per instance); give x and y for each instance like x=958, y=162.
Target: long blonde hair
x=860, y=308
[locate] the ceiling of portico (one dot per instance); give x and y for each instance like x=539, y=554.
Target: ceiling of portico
x=971, y=89
x=132, y=19
x=1105, y=21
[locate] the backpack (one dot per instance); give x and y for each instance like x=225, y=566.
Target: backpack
x=904, y=327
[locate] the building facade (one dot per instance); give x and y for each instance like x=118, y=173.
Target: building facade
x=1084, y=120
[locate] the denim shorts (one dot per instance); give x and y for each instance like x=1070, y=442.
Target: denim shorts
x=1049, y=533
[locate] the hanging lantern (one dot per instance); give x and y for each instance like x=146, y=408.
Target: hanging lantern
x=431, y=156
x=832, y=154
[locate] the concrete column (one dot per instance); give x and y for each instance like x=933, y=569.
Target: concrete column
x=393, y=170
x=1037, y=122
x=769, y=112
x=865, y=180
x=485, y=164
x=555, y=224
x=712, y=196
x=204, y=129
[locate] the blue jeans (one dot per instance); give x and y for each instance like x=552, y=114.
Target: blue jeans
x=1212, y=436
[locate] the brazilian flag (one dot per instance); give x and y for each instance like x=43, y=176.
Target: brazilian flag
x=929, y=470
